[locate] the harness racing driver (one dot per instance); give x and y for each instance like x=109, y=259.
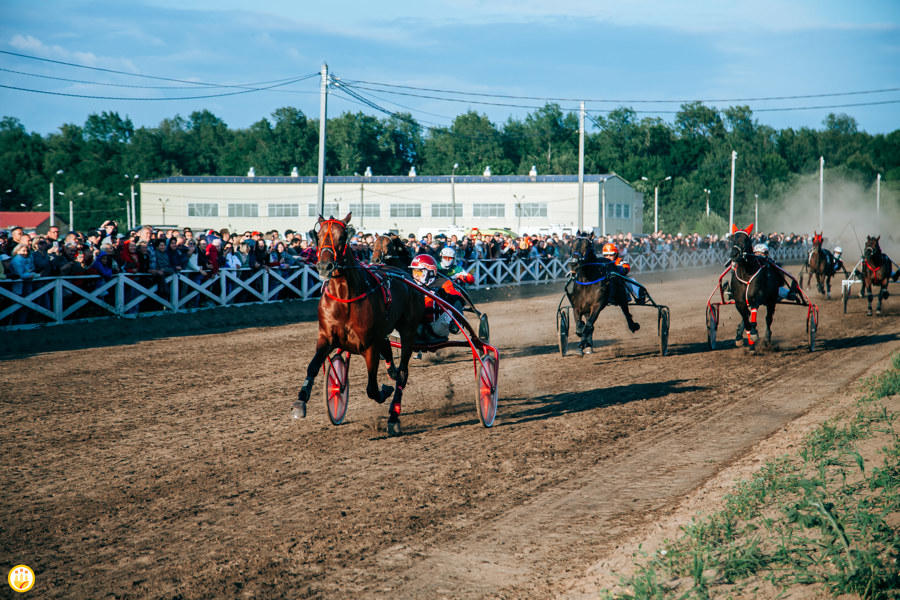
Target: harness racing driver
x=611, y=253
x=450, y=269
x=786, y=291
x=437, y=323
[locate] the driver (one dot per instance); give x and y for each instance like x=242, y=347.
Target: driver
x=451, y=270
x=611, y=253
x=838, y=263
x=786, y=291
x=437, y=323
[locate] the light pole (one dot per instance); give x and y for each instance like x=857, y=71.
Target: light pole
x=127, y=212
x=756, y=213
x=656, y=202
x=707, y=201
x=163, y=203
x=877, y=200
x=133, y=223
x=71, y=212
x=453, y=191
x=519, y=211
x=52, y=198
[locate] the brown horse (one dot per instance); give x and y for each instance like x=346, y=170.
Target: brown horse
x=593, y=287
x=754, y=282
x=359, y=308
x=821, y=264
x=391, y=251
x=876, y=269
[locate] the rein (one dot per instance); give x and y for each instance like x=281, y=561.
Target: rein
x=369, y=289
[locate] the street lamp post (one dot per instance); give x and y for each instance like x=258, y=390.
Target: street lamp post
x=756, y=212
x=71, y=212
x=453, y=192
x=52, y=199
x=133, y=223
x=519, y=211
x=656, y=202
x=707, y=201
x=163, y=203
x=127, y=211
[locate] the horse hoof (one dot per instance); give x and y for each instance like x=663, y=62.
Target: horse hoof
x=393, y=427
x=588, y=350
x=738, y=342
x=878, y=313
x=386, y=392
x=634, y=327
x=579, y=351
x=298, y=411
x=869, y=313
x=754, y=336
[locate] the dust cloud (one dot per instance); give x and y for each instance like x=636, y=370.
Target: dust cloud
x=849, y=214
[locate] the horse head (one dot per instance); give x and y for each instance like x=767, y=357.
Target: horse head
x=331, y=236
x=873, y=248
x=582, y=248
x=817, y=240
x=741, y=245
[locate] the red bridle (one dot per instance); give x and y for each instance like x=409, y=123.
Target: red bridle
x=326, y=238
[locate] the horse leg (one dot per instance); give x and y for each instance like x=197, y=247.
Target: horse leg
x=407, y=339
x=298, y=410
x=819, y=284
x=869, y=295
x=387, y=354
x=587, y=335
x=632, y=324
x=882, y=293
x=770, y=316
x=828, y=288
x=742, y=326
x=372, y=355
x=752, y=333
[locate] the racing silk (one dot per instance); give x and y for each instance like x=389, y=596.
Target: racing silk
x=458, y=273
x=623, y=265
x=445, y=291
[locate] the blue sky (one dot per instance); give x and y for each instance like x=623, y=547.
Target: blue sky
x=503, y=58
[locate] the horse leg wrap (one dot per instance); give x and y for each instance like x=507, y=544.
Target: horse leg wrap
x=588, y=330
x=753, y=312
x=395, y=408
x=305, y=389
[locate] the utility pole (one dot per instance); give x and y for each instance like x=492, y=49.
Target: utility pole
x=453, y=191
x=323, y=115
x=581, y=167
x=603, y=206
x=878, y=202
x=731, y=205
x=821, y=193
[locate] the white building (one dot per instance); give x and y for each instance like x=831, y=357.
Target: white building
x=522, y=203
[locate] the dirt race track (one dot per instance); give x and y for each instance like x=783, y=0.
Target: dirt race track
x=166, y=465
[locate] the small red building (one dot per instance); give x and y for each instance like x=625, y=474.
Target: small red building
x=30, y=221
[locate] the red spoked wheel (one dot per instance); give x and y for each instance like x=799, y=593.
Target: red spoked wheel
x=712, y=323
x=337, y=388
x=486, y=399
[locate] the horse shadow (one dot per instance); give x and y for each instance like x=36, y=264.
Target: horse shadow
x=518, y=410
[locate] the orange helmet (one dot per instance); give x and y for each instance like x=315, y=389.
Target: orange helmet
x=424, y=269
x=609, y=249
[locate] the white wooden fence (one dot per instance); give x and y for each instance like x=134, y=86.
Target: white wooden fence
x=56, y=300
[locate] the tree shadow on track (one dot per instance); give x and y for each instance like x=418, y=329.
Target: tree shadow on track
x=856, y=341
x=521, y=410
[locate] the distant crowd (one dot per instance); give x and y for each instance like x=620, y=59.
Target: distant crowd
x=158, y=253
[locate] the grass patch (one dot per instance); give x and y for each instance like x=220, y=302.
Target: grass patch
x=823, y=516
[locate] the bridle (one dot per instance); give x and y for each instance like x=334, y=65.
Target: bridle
x=326, y=241
x=576, y=263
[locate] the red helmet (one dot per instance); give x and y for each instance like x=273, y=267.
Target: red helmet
x=610, y=249
x=424, y=269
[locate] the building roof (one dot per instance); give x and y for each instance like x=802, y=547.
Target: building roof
x=25, y=219
x=389, y=179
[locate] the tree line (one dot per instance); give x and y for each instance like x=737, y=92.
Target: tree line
x=695, y=150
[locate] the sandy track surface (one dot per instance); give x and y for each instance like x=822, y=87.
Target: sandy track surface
x=166, y=466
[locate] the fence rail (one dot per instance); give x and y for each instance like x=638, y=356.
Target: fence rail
x=56, y=300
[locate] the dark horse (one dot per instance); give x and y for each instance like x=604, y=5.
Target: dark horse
x=594, y=287
x=876, y=269
x=359, y=308
x=754, y=282
x=391, y=251
x=821, y=264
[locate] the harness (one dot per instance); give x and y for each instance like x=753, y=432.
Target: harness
x=383, y=283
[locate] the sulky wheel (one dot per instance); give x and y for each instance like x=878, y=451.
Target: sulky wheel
x=337, y=388
x=486, y=399
x=811, y=329
x=484, y=330
x=663, y=326
x=563, y=327
x=712, y=323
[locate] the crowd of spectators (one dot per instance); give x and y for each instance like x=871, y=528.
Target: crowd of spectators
x=157, y=253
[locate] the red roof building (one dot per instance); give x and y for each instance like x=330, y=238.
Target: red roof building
x=30, y=221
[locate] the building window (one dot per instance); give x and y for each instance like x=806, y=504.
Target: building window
x=618, y=211
x=243, y=210
x=365, y=210
x=445, y=210
x=284, y=210
x=531, y=209
x=488, y=210
x=203, y=209
x=406, y=210
x=626, y=211
x=330, y=210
